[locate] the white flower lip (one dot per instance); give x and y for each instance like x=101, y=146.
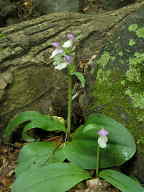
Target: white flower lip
x=102, y=141
x=56, y=52
x=68, y=44
x=61, y=66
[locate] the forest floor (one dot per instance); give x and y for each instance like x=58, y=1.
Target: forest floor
x=8, y=159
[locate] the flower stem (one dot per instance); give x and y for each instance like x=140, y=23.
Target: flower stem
x=97, y=160
x=69, y=112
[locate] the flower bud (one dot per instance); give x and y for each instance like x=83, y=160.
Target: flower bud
x=71, y=36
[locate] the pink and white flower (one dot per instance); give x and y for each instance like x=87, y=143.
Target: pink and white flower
x=57, y=51
x=63, y=55
x=102, y=139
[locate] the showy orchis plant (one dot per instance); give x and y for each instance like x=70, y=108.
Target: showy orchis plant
x=64, y=57
x=102, y=143
x=42, y=166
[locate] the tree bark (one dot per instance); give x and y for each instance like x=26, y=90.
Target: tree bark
x=27, y=78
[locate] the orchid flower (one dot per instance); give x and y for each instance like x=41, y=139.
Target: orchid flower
x=68, y=44
x=70, y=41
x=102, y=139
x=71, y=36
x=68, y=59
x=56, y=44
x=61, y=66
x=56, y=52
x=60, y=55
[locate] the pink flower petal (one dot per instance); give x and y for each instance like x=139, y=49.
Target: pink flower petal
x=103, y=132
x=56, y=44
x=68, y=58
x=71, y=36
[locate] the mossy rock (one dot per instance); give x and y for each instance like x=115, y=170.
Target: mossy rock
x=115, y=4
x=119, y=87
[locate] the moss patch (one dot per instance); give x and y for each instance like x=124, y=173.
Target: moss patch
x=119, y=86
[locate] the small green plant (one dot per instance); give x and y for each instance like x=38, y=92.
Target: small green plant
x=100, y=142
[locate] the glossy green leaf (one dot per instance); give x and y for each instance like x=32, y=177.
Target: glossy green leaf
x=82, y=149
x=55, y=177
x=35, y=120
x=121, y=181
x=80, y=77
x=38, y=154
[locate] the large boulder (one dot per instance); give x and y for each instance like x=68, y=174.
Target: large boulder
x=12, y=12
x=110, y=4
x=119, y=87
x=50, y=6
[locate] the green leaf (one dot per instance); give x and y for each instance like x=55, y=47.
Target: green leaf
x=82, y=149
x=38, y=154
x=80, y=77
x=55, y=177
x=121, y=181
x=36, y=120
x=2, y=35
x=45, y=122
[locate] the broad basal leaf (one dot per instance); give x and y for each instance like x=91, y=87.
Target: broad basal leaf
x=38, y=154
x=55, y=177
x=36, y=120
x=121, y=181
x=82, y=149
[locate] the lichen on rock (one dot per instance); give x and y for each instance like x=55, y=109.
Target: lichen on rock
x=119, y=86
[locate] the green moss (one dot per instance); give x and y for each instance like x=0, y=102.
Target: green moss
x=119, y=88
x=134, y=83
x=104, y=59
x=140, y=140
x=2, y=35
x=120, y=53
x=123, y=82
x=132, y=28
x=103, y=75
x=131, y=42
x=140, y=32
x=137, y=98
x=135, y=66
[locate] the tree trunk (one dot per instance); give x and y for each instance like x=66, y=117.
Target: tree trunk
x=27, y=78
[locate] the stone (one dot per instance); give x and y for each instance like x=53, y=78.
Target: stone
x=50, y=6
x=115, y=4
x=119, y=87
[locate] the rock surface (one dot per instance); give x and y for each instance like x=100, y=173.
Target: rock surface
x=119, y=87
x=50, y=6
x=115, y=4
